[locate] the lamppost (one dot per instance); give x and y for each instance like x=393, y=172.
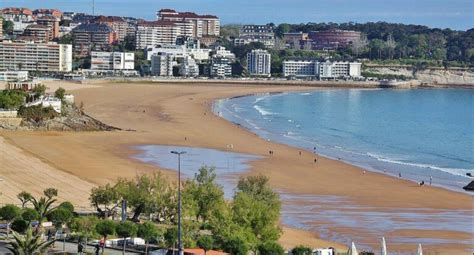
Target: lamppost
x=180, y=245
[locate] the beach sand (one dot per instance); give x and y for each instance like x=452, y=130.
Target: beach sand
x=166, y=114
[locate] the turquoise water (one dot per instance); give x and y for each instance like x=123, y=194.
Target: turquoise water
x=417, y=134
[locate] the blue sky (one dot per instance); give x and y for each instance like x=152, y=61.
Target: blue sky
x=455, y=14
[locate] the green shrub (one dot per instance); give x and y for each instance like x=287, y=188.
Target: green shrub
x=37, y=113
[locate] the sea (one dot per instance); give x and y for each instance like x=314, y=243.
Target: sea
x=424, y=135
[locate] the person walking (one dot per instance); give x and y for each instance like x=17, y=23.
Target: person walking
x=431, y=179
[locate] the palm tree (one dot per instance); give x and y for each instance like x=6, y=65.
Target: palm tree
x=28, y=244
x=43, y=206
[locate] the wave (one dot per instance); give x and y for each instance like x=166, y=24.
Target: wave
x=453, y=171
x=262, y=111
x=305, y=94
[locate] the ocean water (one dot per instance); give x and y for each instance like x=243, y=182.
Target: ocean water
x=417, y=134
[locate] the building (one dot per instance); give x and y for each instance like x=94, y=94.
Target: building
x=38, y=32
x=299, y=68
x=162, y=65
x=192, y=24
x=13, y=76
x=48, y=12
x=220, y=67
x=323, y=70
x=295, y=37
x=17, y=14
x=179, y=51
x=118, y=24
x=153, y=33
x=333, y=38
x=1, y=26
x=189, y=67
x=87, y=36
x=52, y=23
x=29, y=56
x=259, y=63
x=112, y=60
x=256, y=33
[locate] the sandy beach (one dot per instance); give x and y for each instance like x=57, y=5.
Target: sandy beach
x=166, y=114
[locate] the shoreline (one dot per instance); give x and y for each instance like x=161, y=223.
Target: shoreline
x=318, y=154
x=166, y=114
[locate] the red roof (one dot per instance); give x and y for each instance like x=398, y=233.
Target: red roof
x=17, y=11
x=199, y=251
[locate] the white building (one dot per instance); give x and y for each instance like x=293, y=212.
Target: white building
x=112, y=60
x=321, y=70
x=12, y=76
x=259, y=63
x=162, y=65
x=179, y=51
x=152, y=33
x=189, y=67
x=30, y=56
x=221, y=62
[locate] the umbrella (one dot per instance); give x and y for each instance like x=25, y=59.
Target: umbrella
x=420, y=250
x=384, y=247
x=352, y=250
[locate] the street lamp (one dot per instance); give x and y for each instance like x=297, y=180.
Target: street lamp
x=180, y=245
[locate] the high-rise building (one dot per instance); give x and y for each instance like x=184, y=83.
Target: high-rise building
x=85, y=36
x=1, y=28
x=29, y=56
x=38, y=32
x=153, y=33
x=101, y=60
x=259, y=63
x=192, y=24
x=299, y=68
x=162, y=64
x=52, y=23
x=118, y=24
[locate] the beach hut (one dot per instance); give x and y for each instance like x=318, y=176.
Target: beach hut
x=420, y=250
x=352, y=250
x=384, y=247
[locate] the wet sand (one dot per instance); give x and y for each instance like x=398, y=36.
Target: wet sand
x=166, y=114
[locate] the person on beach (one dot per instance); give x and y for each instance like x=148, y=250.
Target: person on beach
x=315, y=160
x=300, y=153
x=422, y=183
x=400, y=175
x=431, y=179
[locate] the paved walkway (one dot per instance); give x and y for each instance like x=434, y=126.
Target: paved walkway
x=71, y=248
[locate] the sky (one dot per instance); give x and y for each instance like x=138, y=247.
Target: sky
x=454, y=14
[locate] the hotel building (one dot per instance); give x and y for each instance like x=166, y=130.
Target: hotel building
x=153, y=33
x=192, y=24
x=28, y=56
x=259, y=63
x=323, y=70
x=112, y=60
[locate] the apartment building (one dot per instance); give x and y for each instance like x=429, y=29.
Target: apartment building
x=1, y=26
x=29, y=56
x=17, y=14
x=295, y=37
x=153, y=33
x=220, y=67
x=118, y=24
x=38, y=32
x=101, y=60
x=256, y=33
x=52, y=23
x=259, y=63
x=322, y=70
x=192, y=24
x=86, y=36
x=189, y=67
x=162, y=65
x=13, y=76
x=48, y=12
x=179, y=51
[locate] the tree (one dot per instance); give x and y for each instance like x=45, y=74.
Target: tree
x=8, y=27
x=270, y=248
x=44, y=205
x=66, y=39
x=59, y=217
x=302, y=250
x=390, y=44
x=124, y=230
x=30, y=215
x=84, y=226
x=28, y=244
x=24, y=198
x=206, y=243
x=282, y=29
x=148, y=231
x=105, y=199
x=11, y=99
x=105, y=228
x=8, y=213
x=19, y=225
x=59, y=93
x=40, y=90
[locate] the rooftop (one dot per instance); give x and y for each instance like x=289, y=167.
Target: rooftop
x=157, y=23
x=169, y=13
x=101, y=18
x=16, y=11
x=93, y=27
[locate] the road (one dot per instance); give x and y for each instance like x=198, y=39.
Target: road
x=71, y=248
